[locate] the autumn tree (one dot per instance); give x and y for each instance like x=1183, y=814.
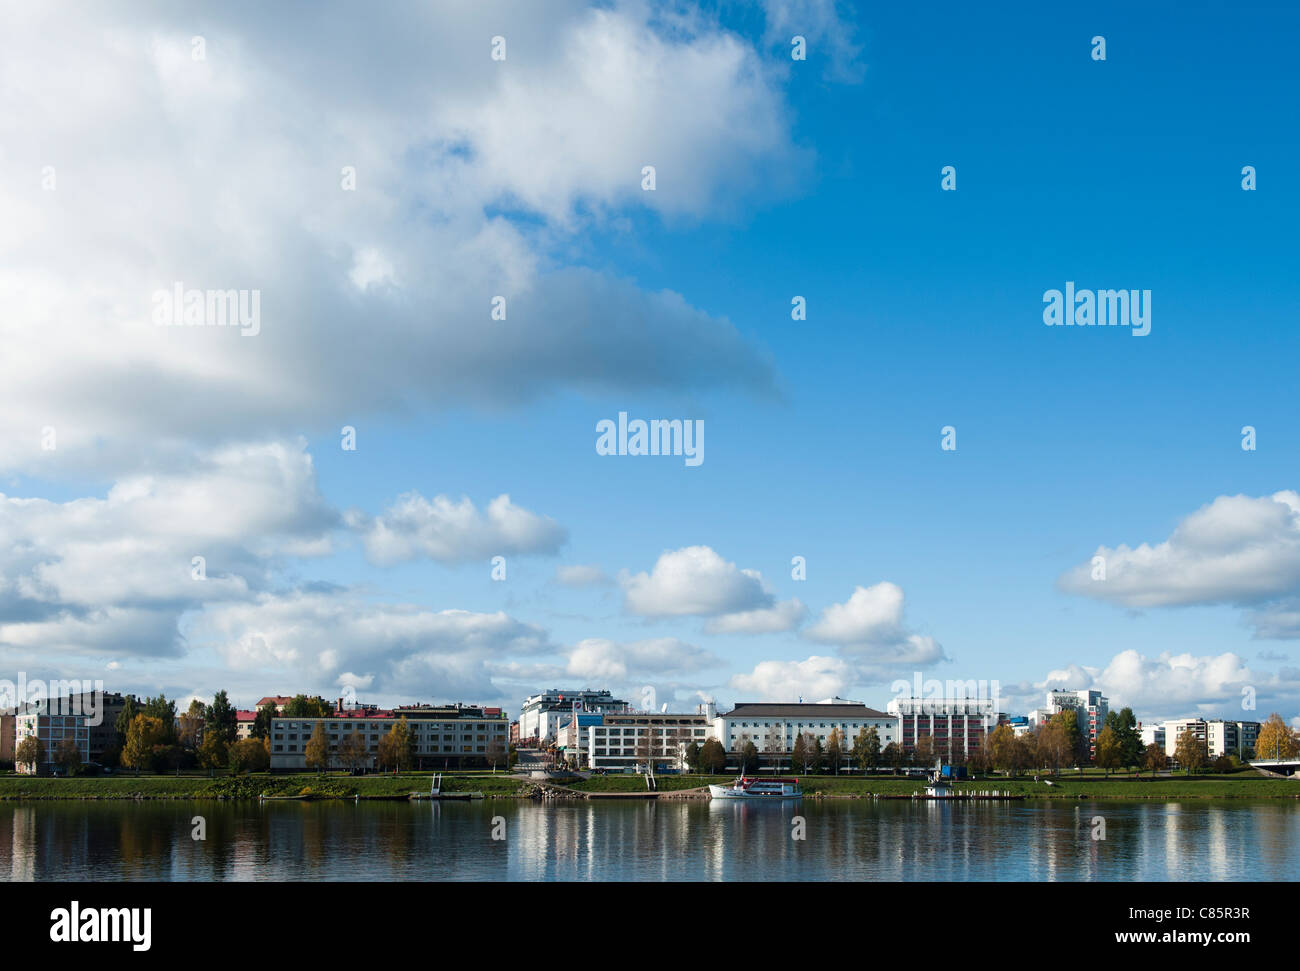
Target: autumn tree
x=893, y=755
x=1055, y=742
x=812, y=755
x=1277, y=740
x=1109, y=753
x=799, y=753
x=249, y=754
x=30, y=751
x=1154, y=758
x=1025, y=754
x=774, y=745
x=397, y=748
x=834, y=751
x=1190, y=751
x=923, y=751
x=1001, y=748
x=145, y=733
x=316, y=753
x=190, y=725
x=352, y=752
x=212, y=753
x=866, y=748
x=1075, y=740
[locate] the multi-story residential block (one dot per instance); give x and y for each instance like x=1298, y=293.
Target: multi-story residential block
x=1247, y=736
x=444, y=736
x=101, y=710
x=1227, y=737
x=956, y=726
x=1174, y=729
x=52, y=722
x=244, y=724
x=627, y=740
x=1090, y=707
x=542, y=714
x=773, y=728
x=1221, y=737
x=1152, y=734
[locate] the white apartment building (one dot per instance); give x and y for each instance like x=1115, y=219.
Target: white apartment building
x=51, y=722
x=541, y=715
x=1175, y=727
x=625, y=741
x=1091, y=707
x=1152, y=735
x=955, y=726
x=1221, y=736
x=773, y=728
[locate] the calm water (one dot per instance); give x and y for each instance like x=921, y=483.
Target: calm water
x=846, y=840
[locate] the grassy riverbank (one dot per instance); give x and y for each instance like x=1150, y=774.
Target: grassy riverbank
x=306, y=785
x=1241, y=785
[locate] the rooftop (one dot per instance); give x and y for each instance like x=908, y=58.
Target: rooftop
x=852, y=709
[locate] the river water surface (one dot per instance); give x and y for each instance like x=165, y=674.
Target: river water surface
x=646, y=840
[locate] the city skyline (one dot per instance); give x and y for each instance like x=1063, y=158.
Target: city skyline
x=392, y=480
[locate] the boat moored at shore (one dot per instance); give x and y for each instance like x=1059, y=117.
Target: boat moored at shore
x=744, y=788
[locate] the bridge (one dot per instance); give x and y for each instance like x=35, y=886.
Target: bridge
x=1284, y=767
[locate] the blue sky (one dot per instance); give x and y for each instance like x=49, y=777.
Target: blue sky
x=775, y=178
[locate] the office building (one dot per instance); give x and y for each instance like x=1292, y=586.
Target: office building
x=542, y=714
x=627, y=740
x=956, y=726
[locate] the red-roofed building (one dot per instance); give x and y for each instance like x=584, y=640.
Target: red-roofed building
x=244, y=724
x=278, y=700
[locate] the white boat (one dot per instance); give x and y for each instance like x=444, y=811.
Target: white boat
x=744, y=788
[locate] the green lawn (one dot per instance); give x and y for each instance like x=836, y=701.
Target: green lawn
x=247, y=786
x=1241, y=785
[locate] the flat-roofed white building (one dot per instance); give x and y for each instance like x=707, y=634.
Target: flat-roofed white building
x=1152, y=734
x=1175, y=727
x=773, y=728
x=627, y=740
x=51, y=722
x=1090, y=708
